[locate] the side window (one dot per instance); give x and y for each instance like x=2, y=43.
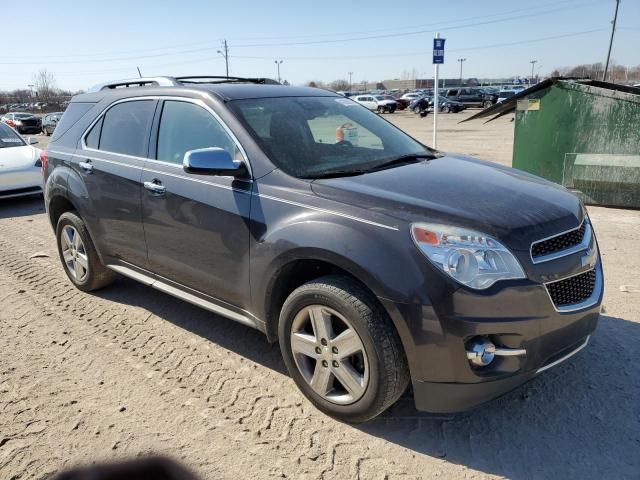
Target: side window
x=92, y=140
x=185, y=126
x=125, y=127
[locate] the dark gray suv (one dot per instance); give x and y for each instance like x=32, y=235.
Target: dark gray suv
x=371, y=258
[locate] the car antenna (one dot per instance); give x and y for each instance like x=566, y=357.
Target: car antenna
x=139, y=72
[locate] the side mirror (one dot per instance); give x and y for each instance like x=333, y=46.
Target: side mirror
x=32, y=141
x=212, y=161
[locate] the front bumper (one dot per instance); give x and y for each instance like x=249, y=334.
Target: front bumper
x=518, y=315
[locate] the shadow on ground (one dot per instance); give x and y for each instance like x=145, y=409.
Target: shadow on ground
x=578, y=420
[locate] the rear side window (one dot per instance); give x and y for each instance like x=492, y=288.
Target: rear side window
x=125, y=128
x=73, y=113
x=185, y=126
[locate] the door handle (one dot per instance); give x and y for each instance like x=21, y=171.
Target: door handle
x=86, y=166
x=155, y=187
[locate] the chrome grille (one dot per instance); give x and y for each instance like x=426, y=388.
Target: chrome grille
x=558, y=243
x=572, y=290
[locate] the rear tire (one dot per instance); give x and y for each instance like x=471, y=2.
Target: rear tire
x=342, y=349
x=78, y=255
x=487, y=104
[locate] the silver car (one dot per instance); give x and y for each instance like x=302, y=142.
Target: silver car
x=20, y=165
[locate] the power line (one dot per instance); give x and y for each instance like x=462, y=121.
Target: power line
x=429, y=52
x=415, y=32
x=209, y=42
x=410, y=54
x=314, y=42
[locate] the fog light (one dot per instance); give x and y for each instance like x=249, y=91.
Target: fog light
x=481, y=351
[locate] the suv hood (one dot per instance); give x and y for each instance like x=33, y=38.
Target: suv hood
x=513, y=206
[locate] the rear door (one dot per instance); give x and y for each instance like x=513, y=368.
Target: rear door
x=196, y=226
x=110, y=161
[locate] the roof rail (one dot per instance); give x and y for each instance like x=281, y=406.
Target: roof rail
x=137, y=82
x=223, y=79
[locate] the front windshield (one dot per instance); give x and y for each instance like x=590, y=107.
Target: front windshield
x=9, y=138
x=311, y=137
x=22, y=116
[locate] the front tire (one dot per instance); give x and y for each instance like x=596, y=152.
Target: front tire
x=78, y=255
x=381, y=109
x=342, y=349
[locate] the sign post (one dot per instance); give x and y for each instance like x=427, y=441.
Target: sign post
x=438, y=59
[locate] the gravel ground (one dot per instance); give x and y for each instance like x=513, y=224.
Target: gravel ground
x=128, y=371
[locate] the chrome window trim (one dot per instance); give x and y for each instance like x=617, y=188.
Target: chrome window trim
x=195, y=101
x=583, y=245
x=565, y=357
x=586, y=303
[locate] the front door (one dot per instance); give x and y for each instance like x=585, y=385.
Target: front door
x=196, y=226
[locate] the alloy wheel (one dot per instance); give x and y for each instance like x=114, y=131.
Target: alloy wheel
x=329, y=354
x=74, y=253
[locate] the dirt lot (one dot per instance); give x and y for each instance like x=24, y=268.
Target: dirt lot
x=129, y=371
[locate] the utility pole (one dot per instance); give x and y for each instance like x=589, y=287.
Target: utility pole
x=278, y=63
x=436, y=97
x=225, y=54
x=350, y=75
x=533, y=64
x=461, y=60
x=613, y=31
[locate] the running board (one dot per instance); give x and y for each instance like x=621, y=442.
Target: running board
x=182, y=295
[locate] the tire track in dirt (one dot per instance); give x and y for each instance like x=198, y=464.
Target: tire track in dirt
x=243, y=400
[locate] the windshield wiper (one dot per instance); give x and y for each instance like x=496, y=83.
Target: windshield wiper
x=404, y=159
x=401, y=160
x=337, y=174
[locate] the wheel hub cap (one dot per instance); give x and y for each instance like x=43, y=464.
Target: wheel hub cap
x=74, y=253
x=329, y=354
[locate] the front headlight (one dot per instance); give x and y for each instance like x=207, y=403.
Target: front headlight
x=17, y=122
x=470, y=258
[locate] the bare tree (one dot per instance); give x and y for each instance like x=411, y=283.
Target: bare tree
x=339, y=85
x=45, y=84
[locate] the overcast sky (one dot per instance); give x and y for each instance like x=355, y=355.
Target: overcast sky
x=88, y=42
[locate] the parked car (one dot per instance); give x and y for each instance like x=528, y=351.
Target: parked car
x=401, y=103
x=50, y=121
x=411, y=96
x=20, y=165
x=426, y=103
x=372, y=261
x=470, y=97
x=505, y=94
x=23, y=122
x=376, y=103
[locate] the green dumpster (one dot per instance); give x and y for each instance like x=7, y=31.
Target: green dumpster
x=583, y=134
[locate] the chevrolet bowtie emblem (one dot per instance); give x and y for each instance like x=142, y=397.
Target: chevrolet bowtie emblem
x=589, y=258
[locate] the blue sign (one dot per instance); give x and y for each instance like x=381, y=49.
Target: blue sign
x=438, y=50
